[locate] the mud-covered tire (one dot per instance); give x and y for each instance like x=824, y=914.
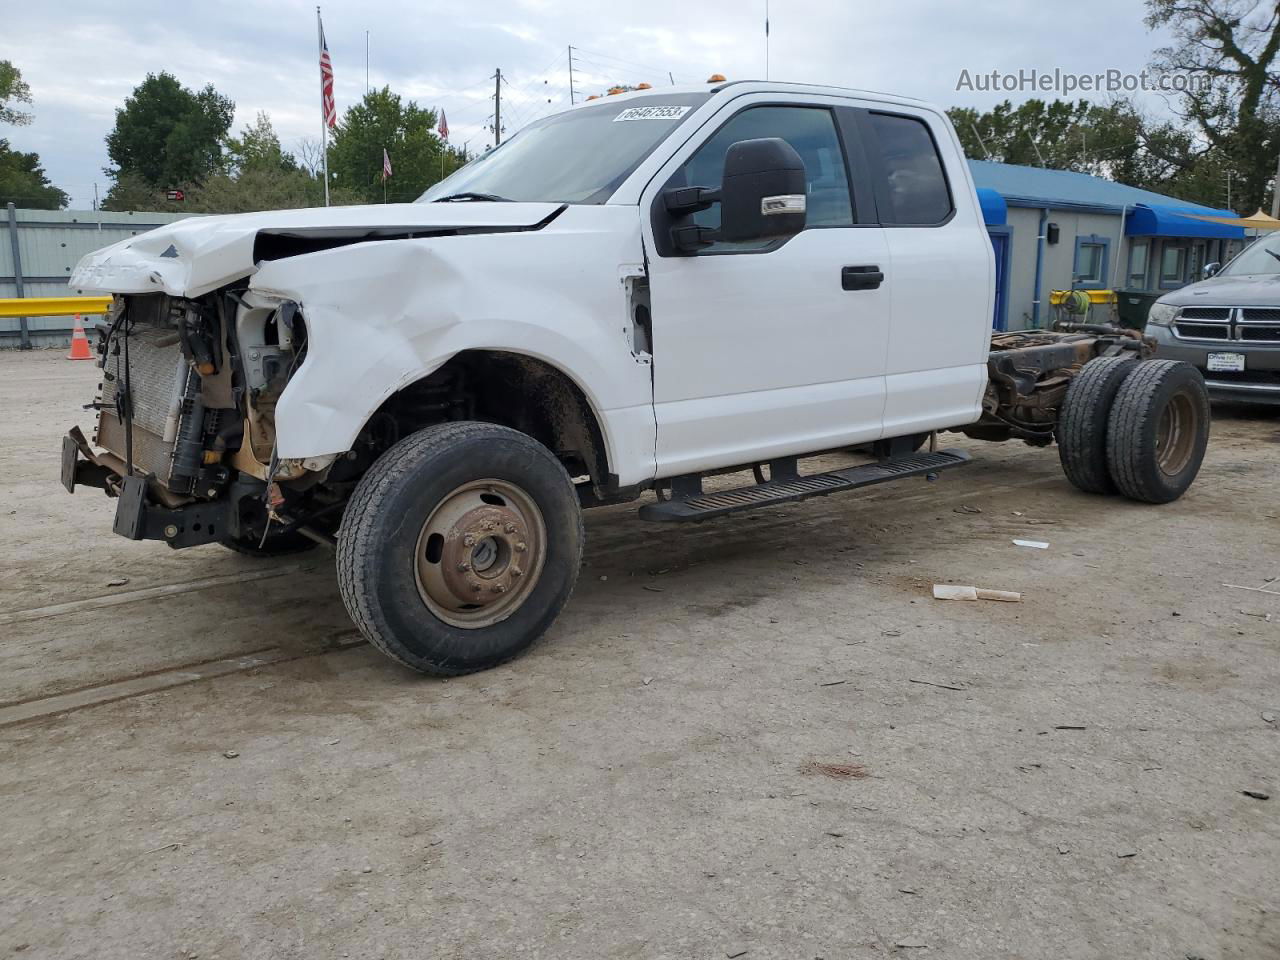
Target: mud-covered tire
x=387, y=578
x=276, y=546
x=1082, y=422
x=1158, y=431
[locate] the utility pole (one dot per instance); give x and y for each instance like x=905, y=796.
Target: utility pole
x=497, y=106
x=1275, y=193
x=571, y=99
x=1036, y=147
x=985, y=151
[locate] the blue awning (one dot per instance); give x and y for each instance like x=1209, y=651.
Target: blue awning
x=995, y=212
x=1161, y=221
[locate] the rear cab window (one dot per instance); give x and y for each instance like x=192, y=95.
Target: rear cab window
x=911, y=185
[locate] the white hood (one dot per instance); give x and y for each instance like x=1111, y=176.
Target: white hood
x=199, y=254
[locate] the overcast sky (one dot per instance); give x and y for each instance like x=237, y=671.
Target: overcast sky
x=83, y=58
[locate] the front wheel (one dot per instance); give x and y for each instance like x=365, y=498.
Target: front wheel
x=459, y=547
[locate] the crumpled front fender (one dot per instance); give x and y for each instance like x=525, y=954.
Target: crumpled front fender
x=381, y=315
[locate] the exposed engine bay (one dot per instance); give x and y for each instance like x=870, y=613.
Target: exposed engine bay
x=185, y=434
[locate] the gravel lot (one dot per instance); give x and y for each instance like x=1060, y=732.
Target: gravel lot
x=221, y=770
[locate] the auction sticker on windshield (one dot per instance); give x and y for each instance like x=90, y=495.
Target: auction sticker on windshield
x=651, y=113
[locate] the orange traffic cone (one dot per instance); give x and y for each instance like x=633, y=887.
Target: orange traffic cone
x=79, y=343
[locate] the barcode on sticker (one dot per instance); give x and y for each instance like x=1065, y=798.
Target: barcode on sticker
x=651, y=113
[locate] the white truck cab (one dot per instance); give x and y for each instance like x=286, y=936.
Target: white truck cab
x=623, y=297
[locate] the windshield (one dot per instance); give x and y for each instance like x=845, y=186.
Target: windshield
x=580, y=156
x=1260, y=257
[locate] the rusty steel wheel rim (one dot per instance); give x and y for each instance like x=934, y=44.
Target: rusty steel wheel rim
x=480, y=553
x=1176, y=434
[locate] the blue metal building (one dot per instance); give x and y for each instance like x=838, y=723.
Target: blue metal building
x=1057, y=230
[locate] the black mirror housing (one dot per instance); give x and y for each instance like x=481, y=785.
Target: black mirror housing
x=762, y=194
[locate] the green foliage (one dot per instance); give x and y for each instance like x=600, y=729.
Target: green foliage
x=167, y=134
x=13, y=89
x=258, y=148
x=382, y=120
x=1226, y=52
x=1060, y=134
x=1224, y=58
x=23, y=181
x=258, y=175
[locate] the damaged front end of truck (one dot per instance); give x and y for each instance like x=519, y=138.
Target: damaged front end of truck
x=184, y=436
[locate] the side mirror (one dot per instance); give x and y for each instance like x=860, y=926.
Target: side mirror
x=762, y=194
x=1211, y=269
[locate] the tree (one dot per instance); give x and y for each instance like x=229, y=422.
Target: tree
x=258, y=148
x=257, y=175
x=1224, y=56
x=169, y=135
x=13, y=89
x=23, y=181
x=406, y=131
x=1060, y=134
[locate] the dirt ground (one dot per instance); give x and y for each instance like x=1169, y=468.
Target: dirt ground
x=204, y=761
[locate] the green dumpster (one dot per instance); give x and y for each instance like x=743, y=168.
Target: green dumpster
x=1133, y=306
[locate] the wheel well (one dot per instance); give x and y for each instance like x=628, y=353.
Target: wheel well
x=511, y=389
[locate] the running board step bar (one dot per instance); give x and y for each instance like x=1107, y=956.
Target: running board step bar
x=789, y=486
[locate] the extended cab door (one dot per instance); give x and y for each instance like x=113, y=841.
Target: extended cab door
x=778, y=347
x=942, y=268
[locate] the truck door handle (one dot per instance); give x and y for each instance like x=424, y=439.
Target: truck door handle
x=861, y=278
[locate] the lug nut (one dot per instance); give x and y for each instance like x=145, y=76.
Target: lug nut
x=517, y=572
x=499, y=588
x=468, y=540
x=510, y=528
x=464, y=566
x=520, y=547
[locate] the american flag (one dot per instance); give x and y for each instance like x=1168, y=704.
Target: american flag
x=327, y=106
x=443, y=129
x=386, y=164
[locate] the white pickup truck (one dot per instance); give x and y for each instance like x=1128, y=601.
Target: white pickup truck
x=628, y=296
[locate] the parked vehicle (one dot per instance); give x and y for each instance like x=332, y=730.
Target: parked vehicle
x=1228, y=325
x=630, y=296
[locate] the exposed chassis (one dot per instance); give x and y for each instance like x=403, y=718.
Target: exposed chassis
x=1028, y=373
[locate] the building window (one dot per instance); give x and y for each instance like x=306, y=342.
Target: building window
x=1173, y=266
x=1091, y=262
x=1137, y=275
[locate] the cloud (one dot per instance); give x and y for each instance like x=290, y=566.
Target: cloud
x=84, y=59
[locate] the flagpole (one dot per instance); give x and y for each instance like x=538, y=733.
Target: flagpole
x=324, y=126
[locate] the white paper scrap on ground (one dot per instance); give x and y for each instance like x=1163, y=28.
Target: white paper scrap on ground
x=950, y=591
x=1038, y=544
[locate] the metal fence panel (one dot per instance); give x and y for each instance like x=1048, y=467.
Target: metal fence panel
x=50, y=244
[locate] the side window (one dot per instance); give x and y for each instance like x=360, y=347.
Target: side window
x=917, y=192
x=811, y=130
x=1091, y=261
x=1173, y=264
x=1138, y=264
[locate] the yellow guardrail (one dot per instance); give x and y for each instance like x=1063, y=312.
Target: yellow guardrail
x=1096, y=297
x=52, y=306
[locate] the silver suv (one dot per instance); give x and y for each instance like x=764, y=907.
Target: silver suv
x=1228, y=325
